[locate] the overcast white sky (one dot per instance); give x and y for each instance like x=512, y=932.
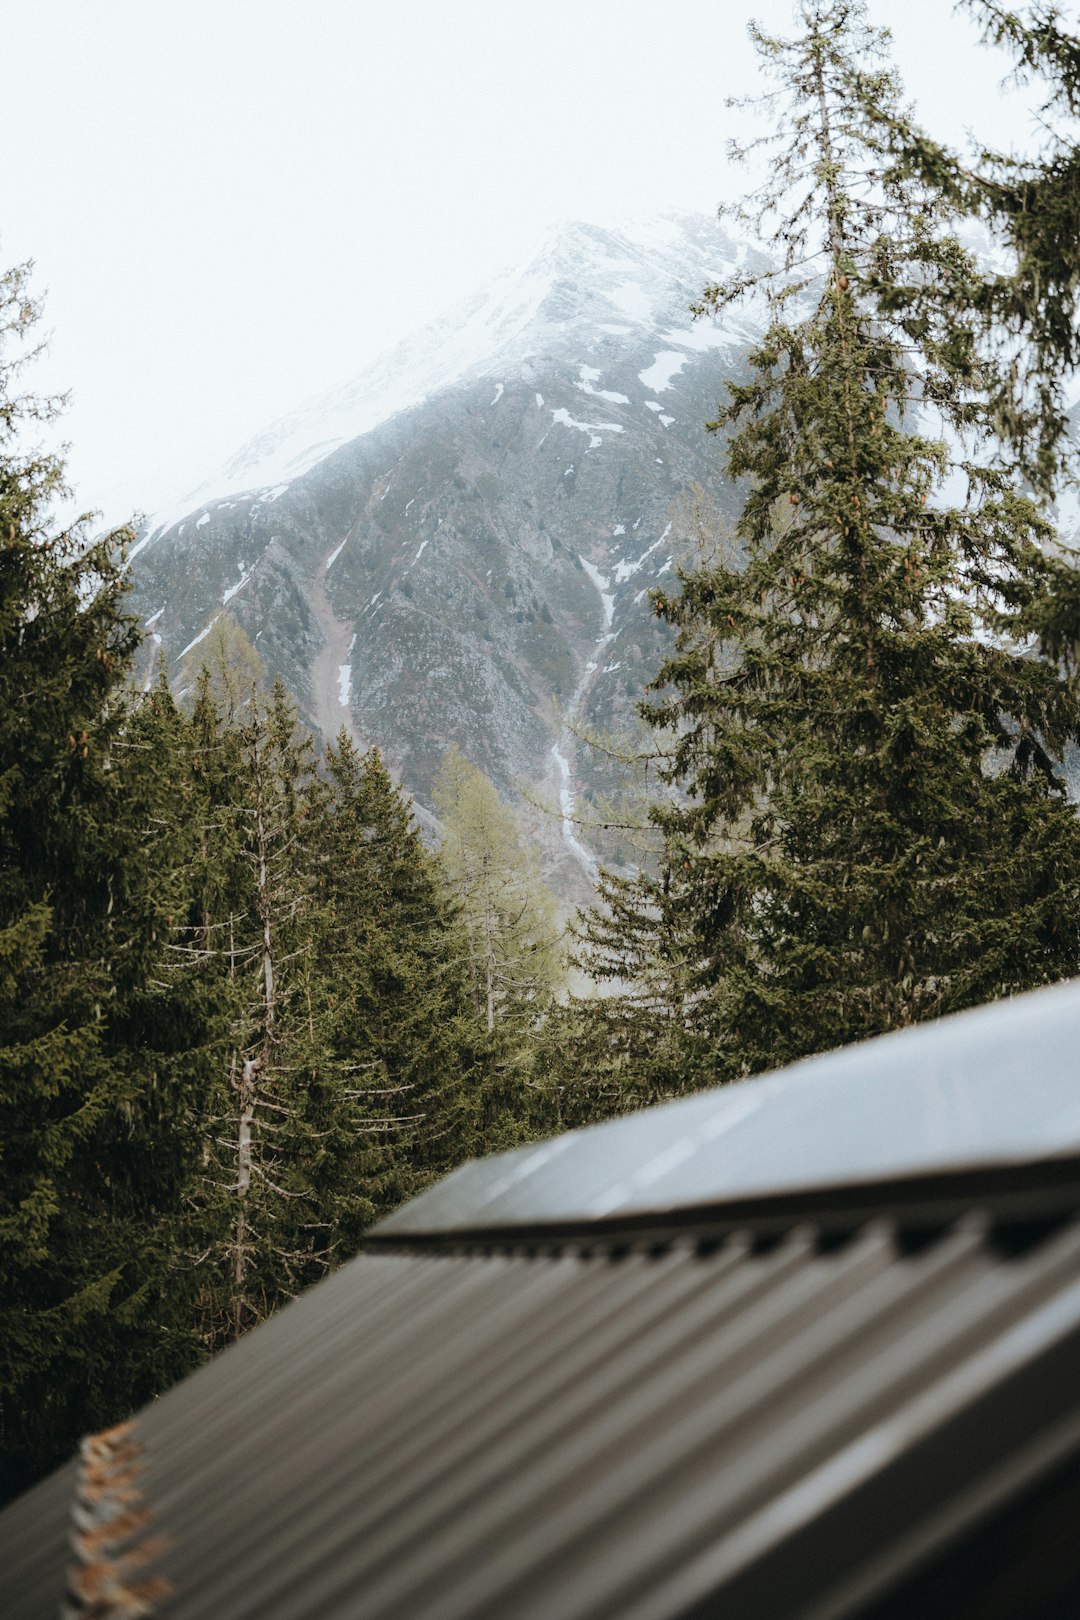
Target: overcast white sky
x=234, y=203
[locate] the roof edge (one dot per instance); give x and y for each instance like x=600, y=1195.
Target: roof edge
x=1012, y=1194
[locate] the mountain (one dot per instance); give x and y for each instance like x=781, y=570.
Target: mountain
x=458, y=544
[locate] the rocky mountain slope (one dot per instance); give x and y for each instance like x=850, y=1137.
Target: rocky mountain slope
x=458, y=545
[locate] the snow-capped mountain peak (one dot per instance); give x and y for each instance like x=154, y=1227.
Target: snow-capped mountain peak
x=634, y=278
x=459, y=543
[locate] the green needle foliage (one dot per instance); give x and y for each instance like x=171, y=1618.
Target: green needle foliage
x=871, y=829
x=100, y=1049
x=342, y=1082
x=392, y=1005
x=262, y=1231
x=1028, y=303
x=649, y=1032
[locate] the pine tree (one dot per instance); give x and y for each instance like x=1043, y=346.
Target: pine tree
x=95, y=1080
x=873, y=830
x=1027, y=306
x=639, y=1037
x=511, y=951
x=396, y=1036
x=260, y=1230
x=163, y=1037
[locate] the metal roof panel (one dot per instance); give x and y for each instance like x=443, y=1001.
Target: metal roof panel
x=999, y=1085
x=487, y=1438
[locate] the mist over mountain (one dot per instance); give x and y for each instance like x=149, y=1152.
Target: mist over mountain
x=457, y=546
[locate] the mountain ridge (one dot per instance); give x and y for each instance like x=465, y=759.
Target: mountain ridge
x=474, y=566
x=522, y=313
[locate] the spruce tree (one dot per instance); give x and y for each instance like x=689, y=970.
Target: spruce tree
x=261, y=1234
x=392, y=1074
x=1027, y=302
x=640, y=1034
x=96, y=1077
x=342, y=1079
x=872, y=829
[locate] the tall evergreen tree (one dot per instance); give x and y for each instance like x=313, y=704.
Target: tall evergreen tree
x=261, y=1233
x=342, y=1081
x=392, y=1076
x=94, y=1071
x=873, y=830
x=1027, y=305
x=642, y=1033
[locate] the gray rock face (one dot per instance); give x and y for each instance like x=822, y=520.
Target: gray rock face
x=459, y=546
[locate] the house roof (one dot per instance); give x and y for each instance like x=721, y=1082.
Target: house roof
x=994, y=1088
x=536, y=1411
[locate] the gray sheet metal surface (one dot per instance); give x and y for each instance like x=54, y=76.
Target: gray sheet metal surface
x=996, y=1086
x=585, y=1438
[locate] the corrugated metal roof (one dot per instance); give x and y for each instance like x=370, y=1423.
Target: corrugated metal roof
x=544, y=1413
x=992, y=1087
x=746, y=1433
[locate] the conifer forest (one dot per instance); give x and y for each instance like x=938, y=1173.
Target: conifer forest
x=248, y=1007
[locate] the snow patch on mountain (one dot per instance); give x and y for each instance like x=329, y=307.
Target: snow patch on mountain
x=566, y=808
x=593, y=429
x=587, y=375
x=625, y=570
x=639, y=276
x=227, y=596
x=666, y=365
x=633, y=300
x=1067, y=514
x=345, y=678
x=334, y=555
x=202, y=635
x=604, y=587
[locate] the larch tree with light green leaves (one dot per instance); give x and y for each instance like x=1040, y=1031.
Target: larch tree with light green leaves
x=507, y=911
